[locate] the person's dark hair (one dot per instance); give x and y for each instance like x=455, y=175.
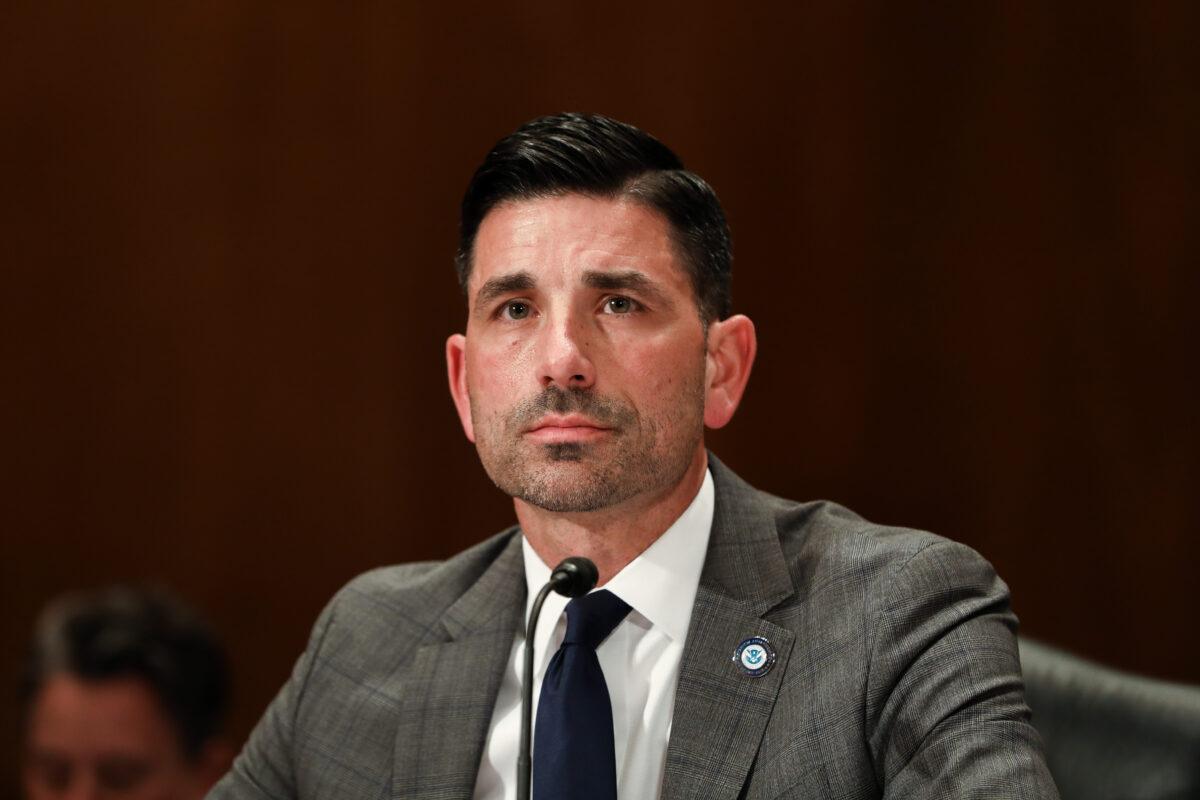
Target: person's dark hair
x=122, y=632
x=597, y=156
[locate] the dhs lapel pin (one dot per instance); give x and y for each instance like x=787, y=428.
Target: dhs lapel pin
x=755, y=656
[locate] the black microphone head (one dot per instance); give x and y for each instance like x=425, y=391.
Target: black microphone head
x=575, y=576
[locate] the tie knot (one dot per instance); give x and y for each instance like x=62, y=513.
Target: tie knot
x=591, y=618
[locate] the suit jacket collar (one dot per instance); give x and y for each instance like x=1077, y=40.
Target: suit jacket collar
x=452, y=682
x=490, y=601
x=721, y=711
x=745, y=561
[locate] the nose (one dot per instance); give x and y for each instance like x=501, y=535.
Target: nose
x=564, y=359
x=83, y=787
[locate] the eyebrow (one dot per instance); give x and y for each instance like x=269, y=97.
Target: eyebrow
x=503, y=284
x=626, y=280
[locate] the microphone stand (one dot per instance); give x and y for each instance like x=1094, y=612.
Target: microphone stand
x=523, y=761
x=574, y=577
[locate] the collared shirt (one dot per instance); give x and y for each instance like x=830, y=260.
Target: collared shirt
x=640, y=659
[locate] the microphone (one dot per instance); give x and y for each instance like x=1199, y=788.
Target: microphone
x=574, y=577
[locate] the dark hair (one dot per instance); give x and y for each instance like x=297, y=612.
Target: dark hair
x=145, y=634
x=594, y=155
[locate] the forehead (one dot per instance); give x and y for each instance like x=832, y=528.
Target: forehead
x=556, y=239
x=119, y=713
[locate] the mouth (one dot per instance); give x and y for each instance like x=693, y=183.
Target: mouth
x=568, y=429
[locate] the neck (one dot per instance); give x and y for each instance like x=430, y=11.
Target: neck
x=611, y=537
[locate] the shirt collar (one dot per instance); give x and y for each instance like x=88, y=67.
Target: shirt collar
x=661, y=583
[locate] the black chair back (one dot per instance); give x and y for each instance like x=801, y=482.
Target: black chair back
x=1110, y=735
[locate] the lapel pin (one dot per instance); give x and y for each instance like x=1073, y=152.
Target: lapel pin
x=755, y=656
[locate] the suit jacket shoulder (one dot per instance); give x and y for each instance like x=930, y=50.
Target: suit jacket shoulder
x=332, y=730
x=898, y=656
x=404, y=602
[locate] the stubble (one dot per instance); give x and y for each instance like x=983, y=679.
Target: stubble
x=639, y=453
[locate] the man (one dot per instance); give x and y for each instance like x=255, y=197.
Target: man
x=124, y=695
x=751, y=646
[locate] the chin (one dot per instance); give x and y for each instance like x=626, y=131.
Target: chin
x=569, y=502
x=568, y=487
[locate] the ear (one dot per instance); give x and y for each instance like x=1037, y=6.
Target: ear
x=456, y=371
x=732, y=345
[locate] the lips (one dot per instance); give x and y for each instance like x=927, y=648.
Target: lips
x=572, y=428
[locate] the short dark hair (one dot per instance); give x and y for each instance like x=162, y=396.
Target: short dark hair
x=594, y=155
x=146, y=634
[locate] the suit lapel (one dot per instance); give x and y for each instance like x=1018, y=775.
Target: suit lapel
x=721, y=712
x=451, y=684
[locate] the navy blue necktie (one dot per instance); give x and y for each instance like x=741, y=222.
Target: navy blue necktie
x=573, y=753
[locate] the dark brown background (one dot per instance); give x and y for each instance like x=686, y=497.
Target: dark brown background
x=968, y=236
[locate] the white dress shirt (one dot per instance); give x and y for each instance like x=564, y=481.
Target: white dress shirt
x=640, y=659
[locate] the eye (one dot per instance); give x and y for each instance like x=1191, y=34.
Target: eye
x=515, y=309
x=52, y=772
x=619, y=305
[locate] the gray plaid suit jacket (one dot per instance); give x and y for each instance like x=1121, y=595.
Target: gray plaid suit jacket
x=897, y=672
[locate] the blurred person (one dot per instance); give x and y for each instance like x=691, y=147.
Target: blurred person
x=124, y=695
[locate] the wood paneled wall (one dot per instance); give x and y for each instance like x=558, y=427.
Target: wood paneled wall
x=968, y=234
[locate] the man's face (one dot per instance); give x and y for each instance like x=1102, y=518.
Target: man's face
x=105, y=739
x=582, y=377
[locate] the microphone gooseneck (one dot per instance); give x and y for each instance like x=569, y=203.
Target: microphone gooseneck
x=574, y=577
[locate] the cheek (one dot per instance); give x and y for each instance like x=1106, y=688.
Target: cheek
x=658, y=379
x=495, y=375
